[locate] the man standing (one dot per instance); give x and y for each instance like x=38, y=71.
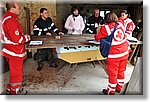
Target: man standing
x=13, y=40
x=94, y=21
x=43, y=26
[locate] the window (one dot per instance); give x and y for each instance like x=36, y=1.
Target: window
x=102, y=13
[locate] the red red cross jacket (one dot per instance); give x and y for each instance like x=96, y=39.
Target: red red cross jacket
x=12, y=37
x=120, y=46
x=129, y=27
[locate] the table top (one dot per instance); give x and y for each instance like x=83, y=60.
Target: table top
x=64, y=41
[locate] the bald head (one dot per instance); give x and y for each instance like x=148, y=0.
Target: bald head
x=13, y=6
x=96, y=12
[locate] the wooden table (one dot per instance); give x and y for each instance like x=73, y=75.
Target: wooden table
x=70, y=41
x=64, y=41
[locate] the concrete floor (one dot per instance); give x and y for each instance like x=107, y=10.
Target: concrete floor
x=85, y=80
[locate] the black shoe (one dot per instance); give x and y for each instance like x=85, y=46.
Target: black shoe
x=22, y=91
x=118, y=91
x=7, y=92
x=53, y=65
x=40, y=66
x=104, y=91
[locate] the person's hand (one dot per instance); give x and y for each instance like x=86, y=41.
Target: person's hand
x=61, y=33
x=28, y=36
x=98, y=28
x=48, y=34
x=73, y=29
x=57, y=37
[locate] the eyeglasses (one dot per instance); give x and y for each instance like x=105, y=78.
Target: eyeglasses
x=45, y=12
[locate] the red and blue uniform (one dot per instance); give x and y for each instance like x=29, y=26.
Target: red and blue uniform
x=118, y=55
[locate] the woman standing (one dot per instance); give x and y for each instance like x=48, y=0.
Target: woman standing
x=118, y=54
x=128, y=23
x=74, y=23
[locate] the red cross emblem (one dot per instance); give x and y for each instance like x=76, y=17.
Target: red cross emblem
x=118, y=35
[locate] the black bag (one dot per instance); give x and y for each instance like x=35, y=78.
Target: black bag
x=105, y=44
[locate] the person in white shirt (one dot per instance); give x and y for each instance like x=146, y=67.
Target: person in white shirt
x=74, y=23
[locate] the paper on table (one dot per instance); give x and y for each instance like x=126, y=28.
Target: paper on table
x=36, y=43
x=132, y=39
x=94, y=42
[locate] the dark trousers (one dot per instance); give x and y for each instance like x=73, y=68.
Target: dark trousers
x=44, y=54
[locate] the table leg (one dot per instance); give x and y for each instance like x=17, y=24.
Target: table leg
x=93, y=63
x=63, y=63
x=69, y=73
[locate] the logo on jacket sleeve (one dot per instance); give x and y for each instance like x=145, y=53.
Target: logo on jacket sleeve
x=17, y=32
x=35, y=26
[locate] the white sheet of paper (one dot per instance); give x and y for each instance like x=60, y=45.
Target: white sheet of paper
x=132, y=39
x=35, y=42
x=94, y=42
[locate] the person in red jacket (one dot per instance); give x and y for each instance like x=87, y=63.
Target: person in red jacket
x=13, y=49
x=128, y=23
x=118, y=54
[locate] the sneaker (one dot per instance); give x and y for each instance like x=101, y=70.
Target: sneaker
x=18, y=91
x=106, y=93
x=53, y=65
x=8, y=89
x=7, y=92
x=22, y=91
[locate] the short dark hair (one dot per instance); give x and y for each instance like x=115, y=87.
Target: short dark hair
x=10, y=5
x=74, y=8
x=124, y=11
x=110, y=17
x=42, y=10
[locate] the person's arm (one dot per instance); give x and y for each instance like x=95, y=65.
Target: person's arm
x=88, y=26
x=67, y=24
x=15, y=33
x=53, y=27
x=129, y=29
x=101, y=34
x=36, y=30
x=82, y=24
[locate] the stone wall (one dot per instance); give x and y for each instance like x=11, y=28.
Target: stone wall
x=34, y=7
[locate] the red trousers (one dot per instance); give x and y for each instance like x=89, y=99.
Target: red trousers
x=16, y=69
x=115, y=69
